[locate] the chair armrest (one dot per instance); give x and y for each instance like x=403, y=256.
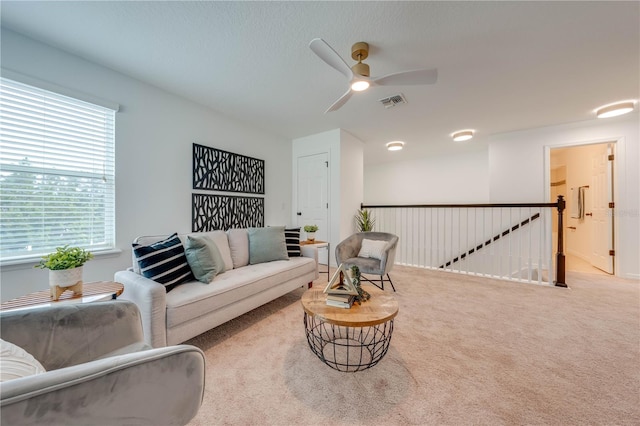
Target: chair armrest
x=348, y=248
x=64, y=334
x=151, y=298
x=157, y=386
x=389, y=256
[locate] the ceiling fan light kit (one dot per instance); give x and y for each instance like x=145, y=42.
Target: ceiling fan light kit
x=614, y=110
x=395, y=145
x=358, y=75
x=462, y=135
x=360, y=85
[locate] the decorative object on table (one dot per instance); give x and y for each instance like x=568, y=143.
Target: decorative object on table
x=65, y=269
x=364, y=221
x=214, y=212
x=218, y=170
x=362, y=296
x=341, y=291
x=311, y=232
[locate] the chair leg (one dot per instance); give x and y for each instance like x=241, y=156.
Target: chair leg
x=391, y=282
x=382, y=281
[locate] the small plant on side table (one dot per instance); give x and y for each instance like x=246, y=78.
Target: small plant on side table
x=311, y=232
x=65, y=269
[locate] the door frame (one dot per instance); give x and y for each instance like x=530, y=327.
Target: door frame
x=618, y=146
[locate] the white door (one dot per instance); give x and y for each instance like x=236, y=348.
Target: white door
x=602, y=214
x=313, y=197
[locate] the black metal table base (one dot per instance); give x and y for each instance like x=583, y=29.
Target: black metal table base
x=348, y=349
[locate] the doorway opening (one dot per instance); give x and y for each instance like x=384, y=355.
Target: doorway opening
x=583, y=174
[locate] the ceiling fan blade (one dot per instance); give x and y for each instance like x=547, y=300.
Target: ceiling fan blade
x=327, y=54
x=341, y=101
x=408, y=78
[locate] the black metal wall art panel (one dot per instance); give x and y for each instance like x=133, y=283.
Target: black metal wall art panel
x=218, y=170
x=213, y=212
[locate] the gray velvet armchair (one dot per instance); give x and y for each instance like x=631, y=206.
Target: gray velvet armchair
x=347, y=253
x=99, y=369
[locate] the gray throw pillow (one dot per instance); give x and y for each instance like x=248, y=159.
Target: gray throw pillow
x=204, y=258
x=267, y=244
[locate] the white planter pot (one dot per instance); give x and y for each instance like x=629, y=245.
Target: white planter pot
x=311, y=236
x=65, y=277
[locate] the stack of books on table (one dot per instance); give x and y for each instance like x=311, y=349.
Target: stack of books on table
x=340, y=300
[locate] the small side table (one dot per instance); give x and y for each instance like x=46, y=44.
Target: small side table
x=91, y=292
x=318, y=245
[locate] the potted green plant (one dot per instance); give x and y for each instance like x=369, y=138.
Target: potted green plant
x=65, y=267
x=311, y=232
x=364, y=221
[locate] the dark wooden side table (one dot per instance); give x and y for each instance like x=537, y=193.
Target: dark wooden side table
x=91, y=292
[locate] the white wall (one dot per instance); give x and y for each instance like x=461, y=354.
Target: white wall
x=154, y=135
x=351, y=181
x=519, y=172
x=345, y=154
x=453, y=179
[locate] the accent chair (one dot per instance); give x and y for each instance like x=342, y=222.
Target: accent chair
x=372, y=252
x=99, y=370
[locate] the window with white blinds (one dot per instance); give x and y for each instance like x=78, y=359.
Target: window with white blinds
x=56, y=173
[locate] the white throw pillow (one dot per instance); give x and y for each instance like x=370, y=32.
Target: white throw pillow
x=239, y=246
x=372, y=248
x=15, y=362
x=220, y=238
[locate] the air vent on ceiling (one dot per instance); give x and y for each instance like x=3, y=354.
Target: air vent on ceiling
x=394, y=100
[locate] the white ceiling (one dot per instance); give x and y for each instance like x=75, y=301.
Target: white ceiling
x=502, y=66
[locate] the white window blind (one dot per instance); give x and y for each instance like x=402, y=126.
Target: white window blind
x=56, y=173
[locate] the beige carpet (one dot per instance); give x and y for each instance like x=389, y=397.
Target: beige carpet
x=465, y=350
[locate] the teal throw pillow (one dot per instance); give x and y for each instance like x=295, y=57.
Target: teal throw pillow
x=267, y=244
x=204, y=258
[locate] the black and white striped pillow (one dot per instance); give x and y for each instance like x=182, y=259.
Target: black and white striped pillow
x=292, y=239
x=164, y=262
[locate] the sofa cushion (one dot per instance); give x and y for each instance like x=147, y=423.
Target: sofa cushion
x=267, y=244
x=203, y=257
x=194, y=299
x=239, y=246
x=15, y=362
x=292, y=239
x=220, y=238
x=164, y=262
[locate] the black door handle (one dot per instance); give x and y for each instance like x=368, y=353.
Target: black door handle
x=299, y=213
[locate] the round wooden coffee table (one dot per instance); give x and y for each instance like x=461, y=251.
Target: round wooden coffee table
x=351, y=339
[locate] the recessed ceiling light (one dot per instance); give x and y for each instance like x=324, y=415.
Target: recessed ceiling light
x=615, y=109
x=395, y=145
x=462, y=135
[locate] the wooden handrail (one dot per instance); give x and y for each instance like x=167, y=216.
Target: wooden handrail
x=455, y=206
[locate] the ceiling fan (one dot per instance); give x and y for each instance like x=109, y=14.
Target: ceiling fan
x=358, y=75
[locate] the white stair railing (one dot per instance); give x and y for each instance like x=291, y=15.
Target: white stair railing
x=505, y=241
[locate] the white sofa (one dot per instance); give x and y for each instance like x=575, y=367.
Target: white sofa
x=191, y=308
